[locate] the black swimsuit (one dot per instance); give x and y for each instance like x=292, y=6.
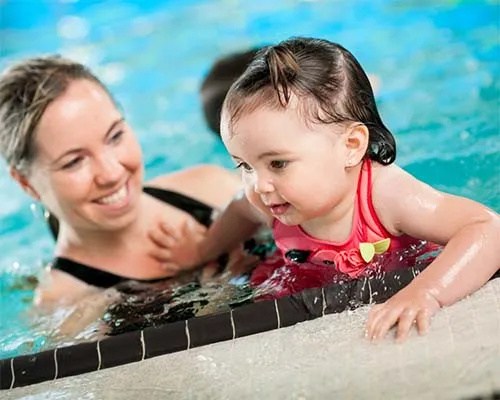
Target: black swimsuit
x=95, y=277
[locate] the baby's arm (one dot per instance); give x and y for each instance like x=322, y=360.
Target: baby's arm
x=237, y=222
x=469, y=231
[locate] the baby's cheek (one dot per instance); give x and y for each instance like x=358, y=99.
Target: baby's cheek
x=256, y=202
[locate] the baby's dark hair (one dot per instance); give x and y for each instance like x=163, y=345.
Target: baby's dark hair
x=327, y=78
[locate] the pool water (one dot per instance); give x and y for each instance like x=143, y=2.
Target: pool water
x=437, y=61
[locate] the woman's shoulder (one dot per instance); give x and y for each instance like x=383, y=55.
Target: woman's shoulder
x=56, y=286
x=211, y=184
x=195, y=173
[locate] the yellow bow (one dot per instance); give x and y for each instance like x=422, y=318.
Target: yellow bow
x=368, y=250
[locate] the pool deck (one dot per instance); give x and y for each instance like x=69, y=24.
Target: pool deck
x=319, y=359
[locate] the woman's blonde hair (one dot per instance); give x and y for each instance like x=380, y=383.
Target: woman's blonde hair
x=26, y=90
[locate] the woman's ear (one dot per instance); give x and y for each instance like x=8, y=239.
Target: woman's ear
x=356, y=142
x=24, y=183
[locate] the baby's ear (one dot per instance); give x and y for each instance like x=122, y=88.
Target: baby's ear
x=23, y=182
x=356, y=142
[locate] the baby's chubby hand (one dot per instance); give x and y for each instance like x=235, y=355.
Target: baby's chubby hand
x=411, y=305
x=177, y=249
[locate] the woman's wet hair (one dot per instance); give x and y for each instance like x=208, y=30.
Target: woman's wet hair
x=327, y=79
x=26, y=90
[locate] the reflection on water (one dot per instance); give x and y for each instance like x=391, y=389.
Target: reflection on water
x=135, y=305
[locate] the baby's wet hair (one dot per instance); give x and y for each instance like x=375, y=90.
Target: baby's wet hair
x=326, y=78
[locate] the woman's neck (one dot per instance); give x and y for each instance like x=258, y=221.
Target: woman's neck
x=99, y=243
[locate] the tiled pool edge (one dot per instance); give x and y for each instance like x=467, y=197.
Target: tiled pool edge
x=182, y=335
x=150, y=342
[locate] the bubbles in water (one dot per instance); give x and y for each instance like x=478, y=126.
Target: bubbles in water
x=111, y=73
x=72, y=27
x=142, y=26
x=464, y=135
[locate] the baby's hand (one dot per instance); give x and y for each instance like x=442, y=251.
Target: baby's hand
x=411, y=305
x=177, y=250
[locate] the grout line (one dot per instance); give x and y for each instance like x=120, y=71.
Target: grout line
x=56, y=366
x=277, y=313
x=13, y=375
x=188, y=336
x=143, y=345
x=99, y=355
x=323, y=302
x=232, y=323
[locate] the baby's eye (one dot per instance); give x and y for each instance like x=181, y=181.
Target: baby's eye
x=245, y=166
x=278, y=164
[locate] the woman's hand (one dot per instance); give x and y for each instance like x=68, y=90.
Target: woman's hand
x=411, y=305
x=177, y=250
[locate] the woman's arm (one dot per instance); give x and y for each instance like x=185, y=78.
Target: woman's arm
x=57, y=287
x=469, y=231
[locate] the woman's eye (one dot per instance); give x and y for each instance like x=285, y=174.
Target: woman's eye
x=73, y=163
x=116, y=137
x=244, y=165
x=278, y=164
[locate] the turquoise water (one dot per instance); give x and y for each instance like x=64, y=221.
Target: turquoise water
x=438, y=63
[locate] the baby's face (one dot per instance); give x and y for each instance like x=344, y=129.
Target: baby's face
x=292, y=171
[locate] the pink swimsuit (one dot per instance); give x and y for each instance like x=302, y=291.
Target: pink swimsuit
x=346, y=258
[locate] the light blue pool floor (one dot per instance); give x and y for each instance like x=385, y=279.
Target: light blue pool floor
x=320, y=359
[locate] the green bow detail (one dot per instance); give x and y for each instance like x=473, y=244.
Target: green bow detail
x=368, y=250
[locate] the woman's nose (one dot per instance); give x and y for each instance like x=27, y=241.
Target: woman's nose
x=108, y=170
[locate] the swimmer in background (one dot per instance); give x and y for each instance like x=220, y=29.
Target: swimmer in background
x=317, y=164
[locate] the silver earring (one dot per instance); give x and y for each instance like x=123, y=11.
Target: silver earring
x=39, y=210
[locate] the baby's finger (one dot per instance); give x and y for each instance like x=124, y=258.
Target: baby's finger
x=168, y=230
x=406, y=321
x=170, y=268
x=374, y=316
x=385, y=323
x=161, y=239
x=161, y=254
x=423, y=322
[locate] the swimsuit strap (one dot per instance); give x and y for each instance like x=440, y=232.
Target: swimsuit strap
x=198, y=210
x=93, y=276
x=96, y=277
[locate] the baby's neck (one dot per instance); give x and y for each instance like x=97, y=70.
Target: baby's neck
x=336, y=225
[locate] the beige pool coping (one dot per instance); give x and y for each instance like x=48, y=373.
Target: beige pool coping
x=327, y=358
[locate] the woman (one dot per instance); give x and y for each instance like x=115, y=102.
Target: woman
x=70, y=148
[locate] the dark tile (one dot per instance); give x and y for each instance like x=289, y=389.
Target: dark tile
x=312, y=301
x=121, y=349
x=338, y=297
x=210, y=329
x=291, y=311
x=255, y=318
x=5, y=373
x=34, y=368
x=165, y=339
x=77, y=359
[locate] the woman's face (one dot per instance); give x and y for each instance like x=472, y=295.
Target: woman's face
x=88, y=166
